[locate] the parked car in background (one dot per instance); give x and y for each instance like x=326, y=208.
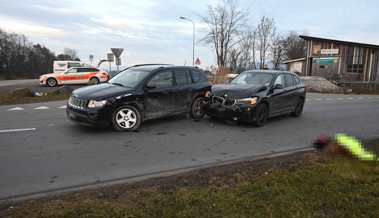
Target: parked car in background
x=138, y=94
x=255, y=96
x=62, y=66
x=75, y=75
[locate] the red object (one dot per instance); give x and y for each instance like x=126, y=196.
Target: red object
x=321, y=141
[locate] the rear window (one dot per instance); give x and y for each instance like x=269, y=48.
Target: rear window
x=182, y=77
x=198, y=76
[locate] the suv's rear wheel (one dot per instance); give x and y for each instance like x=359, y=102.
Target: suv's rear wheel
x=299, y=108
x=197, y=108
x=261, y=115
x=51, y=82
x=126, y=118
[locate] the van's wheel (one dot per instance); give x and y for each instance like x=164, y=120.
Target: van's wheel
x=197, y=111
x=51, y=82
x=261, y=115
x=94, y=81
x=298, y=109
x=126, y=118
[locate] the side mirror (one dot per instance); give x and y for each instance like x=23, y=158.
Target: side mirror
x=278, y=86
x=150, y=87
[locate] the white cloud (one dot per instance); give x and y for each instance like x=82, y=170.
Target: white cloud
x=32, y=29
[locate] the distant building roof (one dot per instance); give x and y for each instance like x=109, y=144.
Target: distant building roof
x=340, y=41
x=293, y=60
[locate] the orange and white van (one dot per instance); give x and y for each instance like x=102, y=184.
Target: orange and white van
x=75, y=75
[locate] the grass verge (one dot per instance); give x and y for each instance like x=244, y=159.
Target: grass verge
x=306, y=185
x=10, y=98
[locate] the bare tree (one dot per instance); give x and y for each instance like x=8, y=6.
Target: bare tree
x=247, y=46
x=70, y=53
x=278, y=51
x=294, y=46
x=265, y=32
x=234, y=58
x=224, y=22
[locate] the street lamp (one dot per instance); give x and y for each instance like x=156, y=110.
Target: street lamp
x=193, y=38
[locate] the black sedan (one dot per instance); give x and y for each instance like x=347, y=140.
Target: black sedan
x=255, y=96
x=140, y=93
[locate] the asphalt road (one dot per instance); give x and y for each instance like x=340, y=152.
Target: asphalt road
x=41, y=150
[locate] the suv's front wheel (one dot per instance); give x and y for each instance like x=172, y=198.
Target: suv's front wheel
x=197, y=108
x=126, y=118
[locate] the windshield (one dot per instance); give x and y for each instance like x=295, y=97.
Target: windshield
x=129, y=78
x=253, y=78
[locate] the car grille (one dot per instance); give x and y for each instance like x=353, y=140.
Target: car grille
x=224, y=101
x=77, y=102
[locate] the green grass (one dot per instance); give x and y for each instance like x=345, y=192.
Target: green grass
x=7, y=99
x=329, y=188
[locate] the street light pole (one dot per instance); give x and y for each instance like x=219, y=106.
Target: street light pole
x=193, y=38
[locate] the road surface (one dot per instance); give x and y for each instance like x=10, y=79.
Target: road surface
x=41, y=150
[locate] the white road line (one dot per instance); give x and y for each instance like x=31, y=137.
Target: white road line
x=318, y=99
x=360, y=98
x=340, y=98
x=16, y=130
x=329, y=99
x=16, y=109
x=41, y=108
x=350, y=98
x=62, y=107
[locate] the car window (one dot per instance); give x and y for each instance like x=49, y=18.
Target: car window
x=253, y=78
x=288, y=80
x=74, y=65
x=182, y=77
x=198, y=76
x=73, y=70
x=162, y=80
x=83, y=70
x=280, y=80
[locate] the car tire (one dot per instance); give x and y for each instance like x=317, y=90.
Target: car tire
x=197, y=109
x=299, y=108
x=261, y=115
x=94, y=81
x=51, y=82
x=126, y=118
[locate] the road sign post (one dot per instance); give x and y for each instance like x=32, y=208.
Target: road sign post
x=117, y=53
x=110, y=58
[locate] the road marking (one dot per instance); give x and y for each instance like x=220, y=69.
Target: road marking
x=41, y=108
x=17, y=130
x=360, y=98
x=329, y=99
x=350, y=98
x=16, y=109
x=318, y=99
x=340, y=98
x=62, y=107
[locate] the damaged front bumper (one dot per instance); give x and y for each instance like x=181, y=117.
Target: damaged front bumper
x=230, y=109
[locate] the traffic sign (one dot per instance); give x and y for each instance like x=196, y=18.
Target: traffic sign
x=117, y=51
x=198, y=61
x=91, y=58
x=110, y=57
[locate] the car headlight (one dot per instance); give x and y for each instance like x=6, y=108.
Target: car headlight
x=251, y=101
x=96, y=104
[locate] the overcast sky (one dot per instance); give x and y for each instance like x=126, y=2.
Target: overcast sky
x=150, y=30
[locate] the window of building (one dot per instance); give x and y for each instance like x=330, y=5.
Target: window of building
x=355, y=59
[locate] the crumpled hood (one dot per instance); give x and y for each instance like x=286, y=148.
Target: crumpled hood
x=236, y=91
x=100, y=92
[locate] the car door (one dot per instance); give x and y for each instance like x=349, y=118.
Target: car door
x=159, y=100
x=69, y=76
x=290, y=92
x=183, y=89
x=83, y=75
x=278, y=96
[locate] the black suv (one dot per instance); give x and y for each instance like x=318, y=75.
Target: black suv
x=141, y=93
x=254, y=96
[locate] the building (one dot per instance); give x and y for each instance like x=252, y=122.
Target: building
x=341, y=60
x=296, y=66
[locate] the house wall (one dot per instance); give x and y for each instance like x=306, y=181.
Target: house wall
x=350, y=63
